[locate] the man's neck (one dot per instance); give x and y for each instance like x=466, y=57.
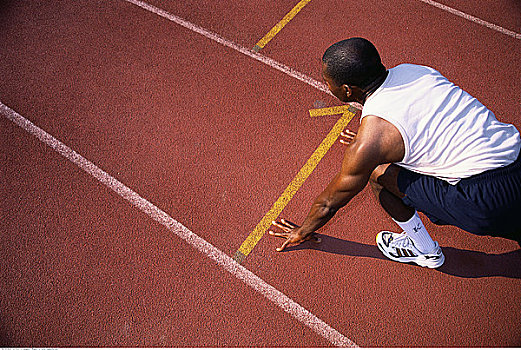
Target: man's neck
x=375, y=84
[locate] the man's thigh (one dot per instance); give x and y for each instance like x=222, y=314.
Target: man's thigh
x=485, y=204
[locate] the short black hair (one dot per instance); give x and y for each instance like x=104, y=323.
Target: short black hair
x=353, y=61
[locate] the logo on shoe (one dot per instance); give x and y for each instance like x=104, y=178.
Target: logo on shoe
x=387, y=238
x=433, y=257
x=402, y=252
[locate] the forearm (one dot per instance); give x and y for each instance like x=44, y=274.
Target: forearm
x=339, y=192
x=319, y=214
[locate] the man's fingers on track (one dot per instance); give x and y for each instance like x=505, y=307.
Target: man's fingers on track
x=348, y=133
x=282, y=226
x=289, y=223
x=277, y=234
x=284, y=245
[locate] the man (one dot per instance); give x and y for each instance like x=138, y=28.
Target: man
x=423, y=144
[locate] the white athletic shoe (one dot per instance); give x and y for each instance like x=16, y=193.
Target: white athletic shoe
x=400, y=247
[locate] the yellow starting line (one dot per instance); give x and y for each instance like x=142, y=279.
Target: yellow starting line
x=275, y=30
x=347, y=114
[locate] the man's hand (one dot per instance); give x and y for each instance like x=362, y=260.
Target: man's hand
x=291, y=234
x=347, y=136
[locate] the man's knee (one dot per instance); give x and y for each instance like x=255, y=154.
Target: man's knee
x=377, y=173
x=386, y=176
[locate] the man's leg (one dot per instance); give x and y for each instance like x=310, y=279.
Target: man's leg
x=384, y=183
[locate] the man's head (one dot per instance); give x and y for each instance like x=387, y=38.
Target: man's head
x=350, y=66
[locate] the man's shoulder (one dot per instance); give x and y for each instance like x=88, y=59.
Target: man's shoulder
x=382, y=137
x=372, y=121
x=412, y=67
x=406, y=84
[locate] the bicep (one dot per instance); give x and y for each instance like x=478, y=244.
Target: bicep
x=359, y=162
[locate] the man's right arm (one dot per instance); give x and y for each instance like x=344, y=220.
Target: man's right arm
x=377, y=142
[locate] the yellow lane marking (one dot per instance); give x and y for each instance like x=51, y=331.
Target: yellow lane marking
x=275, y=30
x=254, y=237
x=329, y=111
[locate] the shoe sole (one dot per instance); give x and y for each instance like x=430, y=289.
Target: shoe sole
x=418, y=260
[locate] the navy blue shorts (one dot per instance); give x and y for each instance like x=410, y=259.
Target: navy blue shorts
x=486, y=204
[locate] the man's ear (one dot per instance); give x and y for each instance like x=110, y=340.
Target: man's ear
x=347, y=90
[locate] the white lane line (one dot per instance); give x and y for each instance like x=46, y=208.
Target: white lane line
x=248, y=52
x=216, y=37
x=226, y=262
x=472, y=18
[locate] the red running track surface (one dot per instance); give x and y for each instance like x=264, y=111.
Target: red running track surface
x=213, y=137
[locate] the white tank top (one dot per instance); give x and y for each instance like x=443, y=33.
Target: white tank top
x=447, y=133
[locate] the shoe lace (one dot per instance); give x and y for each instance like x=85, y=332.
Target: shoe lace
x=403, y=241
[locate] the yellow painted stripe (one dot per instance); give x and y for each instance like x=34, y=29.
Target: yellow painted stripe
x=275, y=30
x=328, y=111
x=254, y=237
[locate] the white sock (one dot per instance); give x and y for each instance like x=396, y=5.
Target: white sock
x=416, y=231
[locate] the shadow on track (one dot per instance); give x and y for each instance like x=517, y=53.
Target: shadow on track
x=458, y=262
